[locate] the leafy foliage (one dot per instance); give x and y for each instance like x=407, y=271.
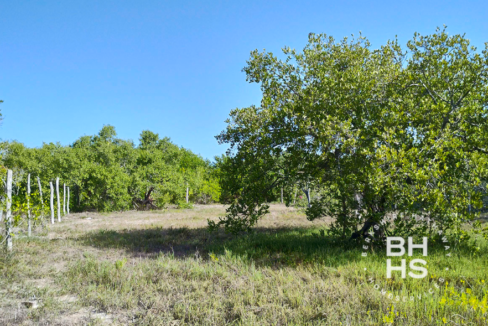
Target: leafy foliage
x=106, y=173
x=375, y=131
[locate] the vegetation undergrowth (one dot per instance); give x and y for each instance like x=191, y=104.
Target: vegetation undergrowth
x=280, y=274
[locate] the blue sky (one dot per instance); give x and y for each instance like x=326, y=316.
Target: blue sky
x=174, y=67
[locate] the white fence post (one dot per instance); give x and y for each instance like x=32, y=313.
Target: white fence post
x=58, y=199
x=64, y=198
x=29, y=222
x=187, y=194
x=40, y=191
x=8, y=217
x=52, y=202
x=1, y=211
x=67, y=204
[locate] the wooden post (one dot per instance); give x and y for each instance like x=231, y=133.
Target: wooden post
x=309, y=197
x=8, y=217
x=29, y=222
x=64, y=198
x=58, y=199
x=306, y=191
x=282, y=195
x=67, y=204
x=52, y=202
x=40, y=191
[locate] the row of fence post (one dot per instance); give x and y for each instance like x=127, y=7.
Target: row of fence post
x=8, y=206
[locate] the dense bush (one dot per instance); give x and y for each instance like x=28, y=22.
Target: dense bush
x=106, y=173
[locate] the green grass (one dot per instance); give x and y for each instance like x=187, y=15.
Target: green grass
x=279, y=275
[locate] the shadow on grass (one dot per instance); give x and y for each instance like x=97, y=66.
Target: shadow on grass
x=284, y=246
x=265, y=246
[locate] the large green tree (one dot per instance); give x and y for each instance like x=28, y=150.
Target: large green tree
x=375, y=131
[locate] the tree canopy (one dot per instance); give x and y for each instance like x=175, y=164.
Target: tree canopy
x=375, y=131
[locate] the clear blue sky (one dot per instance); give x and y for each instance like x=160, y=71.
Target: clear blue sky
x=173, y=67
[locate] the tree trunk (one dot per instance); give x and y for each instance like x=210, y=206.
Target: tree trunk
x=282, y=195
x=52, y=201
x=8, y=216
x=146, y=203
x=379, y=233
x=29, y=222
x=187, y=193
x=307, y=193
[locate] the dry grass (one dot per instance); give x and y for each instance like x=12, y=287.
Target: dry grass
x=164, y=268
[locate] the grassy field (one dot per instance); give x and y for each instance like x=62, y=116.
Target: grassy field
x=164, y=268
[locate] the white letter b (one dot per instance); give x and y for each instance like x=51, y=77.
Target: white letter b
x=400, y=246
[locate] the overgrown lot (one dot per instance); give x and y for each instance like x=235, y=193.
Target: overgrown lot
x=164, y=268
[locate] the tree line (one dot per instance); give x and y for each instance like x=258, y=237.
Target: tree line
x=106, y=173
